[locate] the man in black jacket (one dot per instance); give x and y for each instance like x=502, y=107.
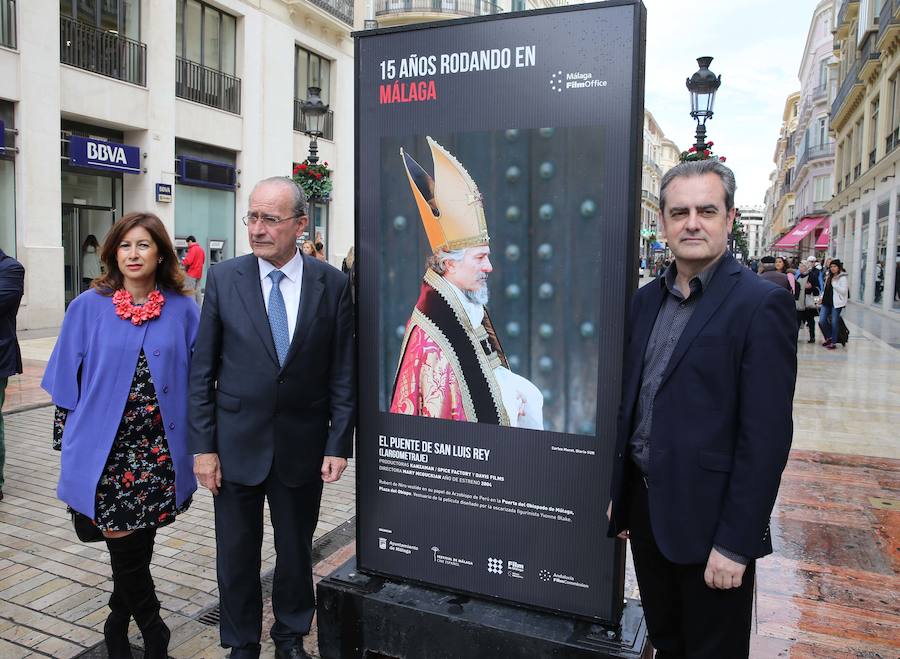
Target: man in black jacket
x=12, y=285
x=704, y=425
x=272, y=411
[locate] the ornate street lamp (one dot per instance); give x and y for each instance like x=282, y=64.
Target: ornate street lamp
x=312, y=112
x=702, y=86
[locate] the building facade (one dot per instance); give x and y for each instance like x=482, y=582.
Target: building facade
x=660, y=154
x=781, y=199
x=812, y=180
x=752, y=221
x=865, y=121
x=176, y=108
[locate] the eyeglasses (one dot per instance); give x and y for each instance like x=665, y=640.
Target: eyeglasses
x=268, y=220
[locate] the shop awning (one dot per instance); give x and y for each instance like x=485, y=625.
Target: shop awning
x=824, y=237
x=799, y=232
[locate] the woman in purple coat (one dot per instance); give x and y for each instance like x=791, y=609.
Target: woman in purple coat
x=118, y=376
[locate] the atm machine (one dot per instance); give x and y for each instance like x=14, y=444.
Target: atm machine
x=180, y=248
x=216, y=251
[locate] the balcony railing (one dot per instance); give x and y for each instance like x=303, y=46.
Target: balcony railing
x=892, y=140
x=202, y=84
x=341, y=9
x=8, y=23
x=842, y=12
x=649, y=196
x=814, y=151
x=300, y=125
x=820, y=92
x=455, y=7
x=886, y=17
x=99, y=51
x=652, y=165
x=849, y=81
x=791, y=148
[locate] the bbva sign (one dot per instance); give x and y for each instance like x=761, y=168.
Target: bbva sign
x=98, y=154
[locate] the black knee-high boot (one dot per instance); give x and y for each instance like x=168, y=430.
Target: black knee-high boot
x=115, y=629
x=130, y=558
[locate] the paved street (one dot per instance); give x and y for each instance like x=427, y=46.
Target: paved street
x=829, y=590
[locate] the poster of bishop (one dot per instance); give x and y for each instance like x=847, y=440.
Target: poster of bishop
x=498, y=183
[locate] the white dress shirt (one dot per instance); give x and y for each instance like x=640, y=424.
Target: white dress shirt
x=289, y=286
x=523, y=401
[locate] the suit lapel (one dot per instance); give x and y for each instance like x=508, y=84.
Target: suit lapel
x=710, y=300
x=311, y=289
x=642, y=329
x=250, y=292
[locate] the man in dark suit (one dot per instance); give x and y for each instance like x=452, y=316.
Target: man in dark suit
x=705, y=424
x=12, y=285
x=273, y=404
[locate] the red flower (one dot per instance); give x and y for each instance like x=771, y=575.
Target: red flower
x=302, y=166
x=709, y=144
x=722, y=159
x=128, y=479
x=296, y=168
x=706, y=153
x=326, y=163
x=692, y=149
x=163, y=516
x=154, y=450
x=162, y=459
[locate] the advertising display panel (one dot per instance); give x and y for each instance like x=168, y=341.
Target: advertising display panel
x=498, y=182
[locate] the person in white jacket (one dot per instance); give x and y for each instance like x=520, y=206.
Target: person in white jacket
x=834, y=299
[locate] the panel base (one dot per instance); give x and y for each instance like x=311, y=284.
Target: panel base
x=369, y=617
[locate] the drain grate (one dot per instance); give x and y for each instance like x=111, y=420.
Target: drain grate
x=322, y=549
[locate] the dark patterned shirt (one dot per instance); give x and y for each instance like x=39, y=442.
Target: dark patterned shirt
x=671, y=320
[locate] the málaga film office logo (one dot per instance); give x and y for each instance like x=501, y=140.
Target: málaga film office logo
x=574, y=80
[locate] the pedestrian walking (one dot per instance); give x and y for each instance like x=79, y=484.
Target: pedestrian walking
x=768, y=272
x=834, y=299
x=12, y=286
x=308, y=248
x=704, y=424
x=273, y=405
x=193, y=267
x=783, y=266
x=805, y=292
x=118, y=377
x=90, y=261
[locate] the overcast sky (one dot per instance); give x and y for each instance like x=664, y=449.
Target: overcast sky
x=756, y=46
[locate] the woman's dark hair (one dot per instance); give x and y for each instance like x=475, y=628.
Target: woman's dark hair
x=784, y=264
x=168, y=274
x=838, y=263
x=90, y=241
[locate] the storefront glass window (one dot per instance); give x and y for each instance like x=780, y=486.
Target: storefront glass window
x=7, y=184
x=8, y=207
x=87, y=190
x=208, y=215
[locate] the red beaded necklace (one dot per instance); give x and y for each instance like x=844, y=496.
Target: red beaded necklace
x=126, y=309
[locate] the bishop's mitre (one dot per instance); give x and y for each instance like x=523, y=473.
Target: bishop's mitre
x=449, y=204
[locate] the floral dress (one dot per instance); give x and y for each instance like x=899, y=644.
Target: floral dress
x=137, y=486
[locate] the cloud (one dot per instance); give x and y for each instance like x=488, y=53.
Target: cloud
x=757, y=47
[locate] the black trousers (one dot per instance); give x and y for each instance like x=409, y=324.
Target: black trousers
x=685, y=617
x=239, y=533
x=808, y=317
